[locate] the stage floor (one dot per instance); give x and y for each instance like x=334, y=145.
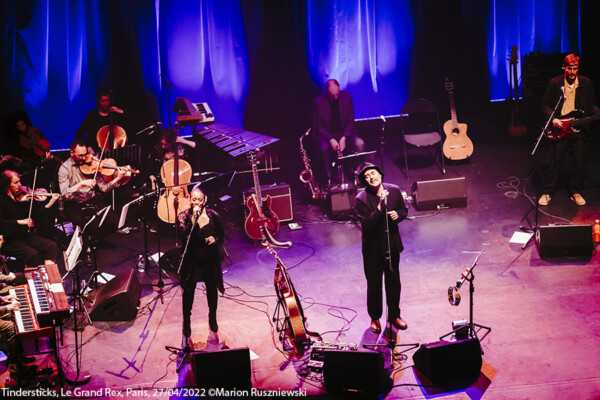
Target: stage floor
x=544, y=314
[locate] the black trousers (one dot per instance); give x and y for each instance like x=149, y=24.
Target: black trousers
x=375, y=266
x=554, y=156
x=32, y=251
x=187, y=300
x=327, y=156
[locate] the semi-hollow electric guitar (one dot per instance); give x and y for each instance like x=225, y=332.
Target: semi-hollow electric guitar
x=457, y=145
x=261, y=222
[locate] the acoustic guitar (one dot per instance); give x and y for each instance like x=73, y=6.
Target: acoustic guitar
x=294, y=327
x=261, y=221
x=457, y=145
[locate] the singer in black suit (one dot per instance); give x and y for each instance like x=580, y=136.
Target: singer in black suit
x=572, y=92
x=376, y=204
x=203, y=230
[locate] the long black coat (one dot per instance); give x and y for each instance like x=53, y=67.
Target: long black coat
x=374, y=241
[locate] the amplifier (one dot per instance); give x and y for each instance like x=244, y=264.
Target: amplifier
x=281, y=197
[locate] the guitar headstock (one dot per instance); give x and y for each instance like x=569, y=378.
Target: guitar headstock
x=514, y=57
x=252, y=157
x=449, y=85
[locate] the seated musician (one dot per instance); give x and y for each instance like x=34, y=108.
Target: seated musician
x=105, y=114
x=19, y=371
x=8, y=278
x=333, y=126
x=165, y=150
x=23, y=229
x=82, y=194
x=32, y=147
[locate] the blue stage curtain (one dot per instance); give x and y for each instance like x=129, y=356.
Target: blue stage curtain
x=545, y=26
x=366, y=46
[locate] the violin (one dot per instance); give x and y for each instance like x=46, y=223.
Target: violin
x=41, y=148
x=107, y=167
x=39, y=194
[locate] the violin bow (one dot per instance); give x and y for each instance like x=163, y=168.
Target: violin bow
x=31, y=201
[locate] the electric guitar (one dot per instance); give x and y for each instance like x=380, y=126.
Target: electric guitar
x=514, y=130
x=286, y=294
x=570, y=122
x=457, y=145
x=261, y=221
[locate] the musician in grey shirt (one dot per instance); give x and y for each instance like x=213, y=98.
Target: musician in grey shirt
x=82, y=195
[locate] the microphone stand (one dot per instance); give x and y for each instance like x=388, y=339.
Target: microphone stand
x=183, y=353
x=391, y=344
x=537, y=168
x=472, y=333
x=382, y=142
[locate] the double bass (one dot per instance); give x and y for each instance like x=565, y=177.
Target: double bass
x=175, y=174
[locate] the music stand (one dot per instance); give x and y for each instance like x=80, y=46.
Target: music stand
x=71, y=265
x=352, y=160
x=137, y=210
x=127, y=155
x=92, y=246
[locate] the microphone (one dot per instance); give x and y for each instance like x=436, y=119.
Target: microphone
x=150, y=128
x=562, y=89
x=382, y=118
x=462, y=278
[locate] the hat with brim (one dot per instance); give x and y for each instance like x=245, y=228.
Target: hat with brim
x=364, y=167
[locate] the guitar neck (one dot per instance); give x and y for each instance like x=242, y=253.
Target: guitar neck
x=585, y=120
x=259, y=201
x=453, y=111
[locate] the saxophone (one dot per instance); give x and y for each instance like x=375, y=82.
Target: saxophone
x=306, y=176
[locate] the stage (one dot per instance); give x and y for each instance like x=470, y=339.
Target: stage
x=544, y=314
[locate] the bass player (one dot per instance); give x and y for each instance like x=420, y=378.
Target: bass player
x=568, y=92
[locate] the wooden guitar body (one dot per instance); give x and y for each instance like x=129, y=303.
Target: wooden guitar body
x=258, y=219
x=457, y=145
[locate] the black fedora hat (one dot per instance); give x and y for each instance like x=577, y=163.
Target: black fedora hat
x=364, y=167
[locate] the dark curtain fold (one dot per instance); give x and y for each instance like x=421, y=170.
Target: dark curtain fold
x=259, y=63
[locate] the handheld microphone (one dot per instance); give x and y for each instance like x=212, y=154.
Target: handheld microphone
x=382, y=118
x=562, y=89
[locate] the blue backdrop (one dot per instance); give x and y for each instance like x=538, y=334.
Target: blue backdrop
x=257, y=64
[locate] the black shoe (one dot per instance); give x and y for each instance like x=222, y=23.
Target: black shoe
x=212, y=322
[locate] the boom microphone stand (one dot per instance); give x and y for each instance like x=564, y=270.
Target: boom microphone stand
x=468, y=276
x=537, y=168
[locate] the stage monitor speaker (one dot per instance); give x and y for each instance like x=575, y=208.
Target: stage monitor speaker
x=445, y=193
x=118, y=299
x=340, y=200
x=565, y=241
x=449, y=363
x=224, y=369
x=281, y=200
x=359, y=370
